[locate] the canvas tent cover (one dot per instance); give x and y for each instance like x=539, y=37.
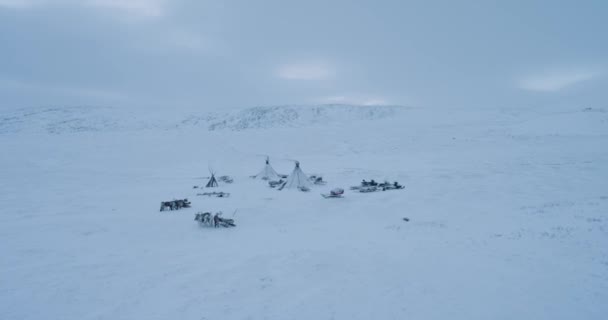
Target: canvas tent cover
x=297, y=179
x=267, y=172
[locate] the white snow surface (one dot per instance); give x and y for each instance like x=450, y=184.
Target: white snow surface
x=507, y=208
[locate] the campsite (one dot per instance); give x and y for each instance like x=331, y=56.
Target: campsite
x=496, y=221
x=297, y=180
x=303, y=160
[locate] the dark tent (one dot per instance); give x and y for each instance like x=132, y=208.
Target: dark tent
x=212, y=181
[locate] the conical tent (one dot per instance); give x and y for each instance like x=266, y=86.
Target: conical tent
x=212, y=182
x=297, y=179
x=267, y=173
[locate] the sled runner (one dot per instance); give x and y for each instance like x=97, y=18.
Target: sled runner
x=215, y=194
x=335, y=193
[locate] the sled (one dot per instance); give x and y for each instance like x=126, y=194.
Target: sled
x=370, y=183
x=326, y=195
x=226, y=223
x=274, y=184
x=226, y=179
x=368, y=189
x=318, y=180
x=215, y=194
x=392, y=187
x=206, y=220
x=335, y=193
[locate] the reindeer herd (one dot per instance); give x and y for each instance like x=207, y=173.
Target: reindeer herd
x=215, y=220
x=174, y=204
x=203, y=218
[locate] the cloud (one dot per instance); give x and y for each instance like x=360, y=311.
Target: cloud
x=305, y=71
x=354, y=100
x=76, y=91
x=187, y=40
x=140, y=8
x=144, y=8
x=18, y=4
x=555, y=81
x=173, y=40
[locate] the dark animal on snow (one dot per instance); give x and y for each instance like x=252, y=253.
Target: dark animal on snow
x=203, y=218
x=174, y=205
x=182, y=203
x=166, y=205
x=221, y=222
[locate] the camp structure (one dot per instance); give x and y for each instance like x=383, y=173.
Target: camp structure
x=212, y=181
x=297, y=180
x=267, y=172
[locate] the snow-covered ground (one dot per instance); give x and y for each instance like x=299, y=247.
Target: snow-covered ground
x=508, y=214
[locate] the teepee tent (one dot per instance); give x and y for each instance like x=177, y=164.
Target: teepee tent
x=297, y=180
x=267, y=173
x=212, y=181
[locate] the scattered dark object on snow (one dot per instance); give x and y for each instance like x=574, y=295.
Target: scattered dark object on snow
x=215, y=221
x=318, y=180
x=384, y=184
x=334, y=193
x=226, y=179
x=274, y=184
x=406, y=219
x=372, y=186
x=370, y=183
x=195, y=187
x=203, y=218
x=174, y=204
x=304, y=188
x=283, y=176
x=215, y=194
x=392, y=186
x=368, y=189
x=221, y=222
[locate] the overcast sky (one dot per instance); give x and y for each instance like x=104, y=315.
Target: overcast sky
x=218, y=54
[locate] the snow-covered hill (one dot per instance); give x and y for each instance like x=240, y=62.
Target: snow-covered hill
x=60, y=120
x=298, y=116
x=507, y=208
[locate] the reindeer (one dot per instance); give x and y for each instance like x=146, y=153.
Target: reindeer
x=164, y=205
x=221, y=222
x=174, y=205
x=203, y=218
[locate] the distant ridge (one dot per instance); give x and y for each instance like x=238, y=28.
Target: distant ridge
x=63, y=120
